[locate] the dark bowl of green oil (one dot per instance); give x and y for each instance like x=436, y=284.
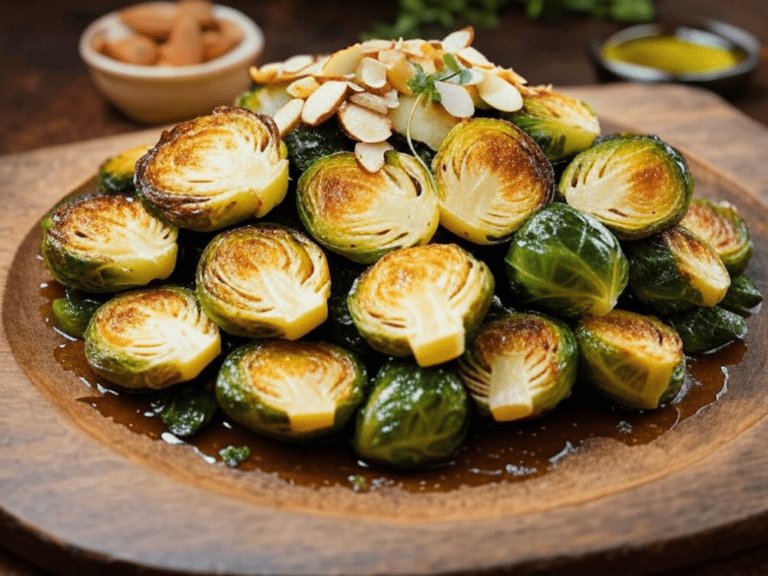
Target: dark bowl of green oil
x=710, y=54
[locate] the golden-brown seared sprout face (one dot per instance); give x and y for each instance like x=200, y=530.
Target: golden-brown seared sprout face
x=675, y=270
x=422, y=301
x=151, y=338
x=215, y=170
x=362, y=215
x=520, y=366
x=491, y=176
x=264, y=281
x=724, y=229
x=107, y=243
x=291, y=390
x=562, y=126
x=634, y=184
x=637, y=360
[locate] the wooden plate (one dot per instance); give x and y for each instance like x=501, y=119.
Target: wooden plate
x=81, y=493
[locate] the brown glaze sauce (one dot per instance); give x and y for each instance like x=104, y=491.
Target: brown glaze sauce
x=492, y=452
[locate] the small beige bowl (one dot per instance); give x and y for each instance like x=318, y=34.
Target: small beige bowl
x=157, y=95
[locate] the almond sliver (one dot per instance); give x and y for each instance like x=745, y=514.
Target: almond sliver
x=297, y=63
x=343, y=63
x=474, y=58
x=323, y=102
x=455, y=99
x=289, y=116
x=499, y=94
x=371, y=101
x=372, y=73
x=302, y=87
x=371, y=155
x=459, y=39
x=363, y=124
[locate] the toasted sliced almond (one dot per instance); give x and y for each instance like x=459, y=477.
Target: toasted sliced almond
x=458, y=40
x=266, y=73
x=473, y=58
x=363, y=124
x=499, y=94
x=343, y=63
x=391, y=97
x=355, y=87
x=323, y=102
x=297, y=63
x=391, y=56
x=376, y=45
x=371, y=101
x=371, y=155
x=510, y=76
x=455, y=99
x=372, y=73
x=414, y=47
x=302, y=87
x=289, y=116
x=399, y=74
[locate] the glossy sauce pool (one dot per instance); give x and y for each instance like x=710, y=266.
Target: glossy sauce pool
x=510, y=452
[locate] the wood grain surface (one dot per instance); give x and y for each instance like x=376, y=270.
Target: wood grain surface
x=81, y=495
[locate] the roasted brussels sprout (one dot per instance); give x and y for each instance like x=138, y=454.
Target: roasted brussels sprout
x=115, y=175
x=562, y=126
x=422, y=301
x=107, y=243
x=491, y=176
x=565, y=262
x=309, y=143
x=675, y=270
x=706, y=328
x=520, y=366
x=151, y=338
x=215, y=170
x=723, y=227
x=364, y=215
x=742, y=296
x=634, y=184
x=73, y=311
x=265, y=98
x=414, y=416
x=291, y=390
x=635, y=359
x=264, y=281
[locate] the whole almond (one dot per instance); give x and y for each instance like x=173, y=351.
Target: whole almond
x=221, y=40
x=200, y=10
x=133, y=49
x=185, y=43
x=154, y=19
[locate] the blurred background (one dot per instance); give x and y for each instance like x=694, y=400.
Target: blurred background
x=47, y=97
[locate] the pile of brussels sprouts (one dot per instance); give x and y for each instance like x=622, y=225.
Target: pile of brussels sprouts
x=480, y=279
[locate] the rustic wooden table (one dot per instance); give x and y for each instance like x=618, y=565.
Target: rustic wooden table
x=47, y=97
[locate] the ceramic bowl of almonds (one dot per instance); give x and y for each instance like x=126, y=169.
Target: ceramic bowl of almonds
x=160, y=62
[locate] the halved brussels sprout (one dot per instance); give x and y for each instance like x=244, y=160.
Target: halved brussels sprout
x=742, y=296
x=215, y=170
x=309, y=143
x=115, y=175
x=73, y=311
x=706, y=328
x=413, y=417
x=151, y=338
x=675, y=270
x=264, y=281
x=364, y=215
x=291, y=390
x=723, y=227
x=634, y=359
x=491, y=176
x=565, y=262
x=107, y=243
x=265, y=98
x=520, y=365
x=422, y=301
x=562, y=126
x=634, y=184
